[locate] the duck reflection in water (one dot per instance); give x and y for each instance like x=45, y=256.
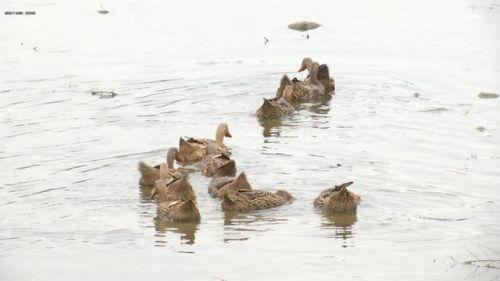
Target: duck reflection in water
x=187, y=230
x=237, y=225
x=341, y=223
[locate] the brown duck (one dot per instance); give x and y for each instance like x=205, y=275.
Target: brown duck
x=311, y=88
x=150, y=174
x=337, y=199
x=219, y=185
x=275, y=107
x=194, y=150
x=167, y=191
x=181, y=209
x=220, y=165
x=250, y=200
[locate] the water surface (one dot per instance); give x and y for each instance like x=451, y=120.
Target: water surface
x=403, y=126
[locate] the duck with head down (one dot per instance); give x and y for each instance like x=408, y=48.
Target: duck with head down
x=220, y=184
x=194, y=150
x=150, y=174
x=218, y=164
x=337, y=199
x=183, y=208
x=248, y=199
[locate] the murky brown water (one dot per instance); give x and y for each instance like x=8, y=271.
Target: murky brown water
x=71, y=208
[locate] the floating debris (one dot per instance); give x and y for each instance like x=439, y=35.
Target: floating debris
x=437, y=109
x=104, y=94
x=416, y=95
x=102, y=11
x=485, y=95
x=266, y=40
x=304, y=26
x=481, y=129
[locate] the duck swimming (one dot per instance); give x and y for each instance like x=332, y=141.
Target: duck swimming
x=337, y=199
x=183, y=208
x=275, y=108
x=194, y=150
x=150, y=174
x=220, y=184
x=312, y=88
x=167, y=191
x=244, y=200
x=220, y=165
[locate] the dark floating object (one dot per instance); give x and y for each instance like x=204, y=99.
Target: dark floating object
x=304, y=25
x=104, y=94
x=102, y=11
x=485, y=95
x=266, y=40
x=481, y=129
x=416, y=95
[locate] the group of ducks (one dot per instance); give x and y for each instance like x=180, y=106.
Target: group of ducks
x=175, y=195
x=317, y=86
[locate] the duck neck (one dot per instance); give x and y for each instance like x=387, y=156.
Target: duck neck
x=219, y=134
x=313, y=72
x=171, y=156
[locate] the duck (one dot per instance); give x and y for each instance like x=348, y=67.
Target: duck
x=220, y=184
x=337, y=199
x=192, y=150
x=181, y=207
x=170, y=190
x=244, y=200
x=325, y=79
x=311, y=88
x=275, y=108
x=150, y=174
x=221, y=165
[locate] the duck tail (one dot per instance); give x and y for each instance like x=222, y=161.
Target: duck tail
x=284, y=194
x=241, y=182
x=146, y=170
x=285, y=81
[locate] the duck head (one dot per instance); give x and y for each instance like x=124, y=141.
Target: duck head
x=221, y=132
x=312, y=67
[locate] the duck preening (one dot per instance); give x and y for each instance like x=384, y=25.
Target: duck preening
x=244, y=200
x=150, y=174
x=318, y=83
x=218, y=165
x=337, y=199
x=177, y=201
x=220, y=184
x=275, y=107
x=194, y=150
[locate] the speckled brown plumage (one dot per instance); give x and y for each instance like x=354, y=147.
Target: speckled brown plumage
x=177, y=188
x=150, y=174
x=218, y=164
x=337, y=199
x=194, y=150
x=219, y=185
x=274, y=108
x=250, y=200
x=178, y=203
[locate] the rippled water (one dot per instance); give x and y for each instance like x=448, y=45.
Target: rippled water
x=405, y=126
